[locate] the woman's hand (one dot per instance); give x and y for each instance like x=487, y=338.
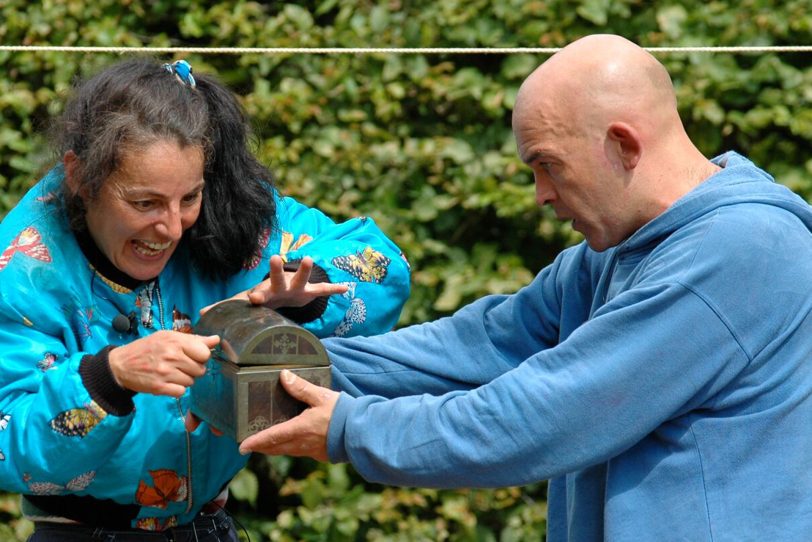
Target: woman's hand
x=164, y=363
x=286, y=288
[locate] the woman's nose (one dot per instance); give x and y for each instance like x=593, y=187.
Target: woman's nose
x=171, y=224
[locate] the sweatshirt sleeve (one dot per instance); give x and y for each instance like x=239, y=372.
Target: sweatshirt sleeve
x=521, y=411
x=355, y=252
x=480, y=342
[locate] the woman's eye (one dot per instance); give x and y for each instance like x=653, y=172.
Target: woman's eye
x=192, y=198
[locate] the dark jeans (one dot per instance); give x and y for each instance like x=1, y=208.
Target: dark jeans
x=216, y=527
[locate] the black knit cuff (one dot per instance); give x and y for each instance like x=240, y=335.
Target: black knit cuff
x=100, y=382
x=314, y=309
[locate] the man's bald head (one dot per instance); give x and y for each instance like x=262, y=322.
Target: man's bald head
x=602, y=78
x=598, y=125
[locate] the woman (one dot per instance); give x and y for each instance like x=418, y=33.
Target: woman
x=156, y=210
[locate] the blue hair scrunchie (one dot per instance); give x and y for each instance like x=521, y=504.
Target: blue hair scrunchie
x=183, y=71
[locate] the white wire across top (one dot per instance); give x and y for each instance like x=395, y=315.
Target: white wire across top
x=387, y=50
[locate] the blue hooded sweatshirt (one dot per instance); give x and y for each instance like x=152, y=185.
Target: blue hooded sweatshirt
x=663, y=386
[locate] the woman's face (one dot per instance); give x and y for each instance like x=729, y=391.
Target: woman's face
x=145, y=206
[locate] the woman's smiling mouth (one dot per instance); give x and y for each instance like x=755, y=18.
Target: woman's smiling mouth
x=146, y=248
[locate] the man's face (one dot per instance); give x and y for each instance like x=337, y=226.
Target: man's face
x=145, y=206
x=574, y=173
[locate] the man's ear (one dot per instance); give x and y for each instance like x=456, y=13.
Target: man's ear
x=71, y=163
x=628, y=145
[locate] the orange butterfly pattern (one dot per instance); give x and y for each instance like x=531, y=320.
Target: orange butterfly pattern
x=167, y=487
x=156, y=524
x=28, y=242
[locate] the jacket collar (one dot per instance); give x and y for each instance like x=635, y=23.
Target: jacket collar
x=104, y=266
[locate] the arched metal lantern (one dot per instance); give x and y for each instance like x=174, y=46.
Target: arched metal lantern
x=240, y=393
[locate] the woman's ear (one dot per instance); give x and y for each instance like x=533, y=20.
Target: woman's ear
x=71, y=163
x=629, y=148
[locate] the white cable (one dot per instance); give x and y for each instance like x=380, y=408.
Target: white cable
x=385, y=50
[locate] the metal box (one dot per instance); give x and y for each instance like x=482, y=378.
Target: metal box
x=240, y=393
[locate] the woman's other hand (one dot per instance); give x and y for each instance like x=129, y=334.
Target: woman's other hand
x=164, y=363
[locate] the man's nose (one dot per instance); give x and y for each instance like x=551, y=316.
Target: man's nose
x=545, y=192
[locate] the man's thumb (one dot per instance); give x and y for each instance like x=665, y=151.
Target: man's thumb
x=298, y=388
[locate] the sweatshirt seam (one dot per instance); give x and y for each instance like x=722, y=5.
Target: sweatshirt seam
x=704, y=483
x=719, y=315
x=704, y=299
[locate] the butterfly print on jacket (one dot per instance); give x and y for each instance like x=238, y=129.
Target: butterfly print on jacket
x=29, y=242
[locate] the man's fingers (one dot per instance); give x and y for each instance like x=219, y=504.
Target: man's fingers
x=271, y=440
x=300, y=389
x=264, y=441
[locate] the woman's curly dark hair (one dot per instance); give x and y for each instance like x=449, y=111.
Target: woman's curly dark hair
x=137, y=102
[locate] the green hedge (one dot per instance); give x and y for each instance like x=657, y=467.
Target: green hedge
x=422, y=143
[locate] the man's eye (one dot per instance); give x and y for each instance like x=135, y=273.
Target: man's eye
x=142, y=205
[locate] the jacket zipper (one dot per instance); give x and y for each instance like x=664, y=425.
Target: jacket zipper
x=189, y=500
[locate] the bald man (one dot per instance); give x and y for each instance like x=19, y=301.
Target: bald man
x=658, y=374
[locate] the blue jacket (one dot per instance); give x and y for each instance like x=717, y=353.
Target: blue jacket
x=65, y=429
x=664, y=386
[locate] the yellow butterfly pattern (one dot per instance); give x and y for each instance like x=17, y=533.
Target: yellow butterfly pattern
x=287, y=243
x=368, y=265
x=78, y=422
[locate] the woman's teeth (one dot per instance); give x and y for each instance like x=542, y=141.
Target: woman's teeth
x=150, y=249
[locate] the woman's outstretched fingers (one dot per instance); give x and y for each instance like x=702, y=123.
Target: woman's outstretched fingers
x=302, y=275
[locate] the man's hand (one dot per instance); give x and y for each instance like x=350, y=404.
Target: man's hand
x=306, y=434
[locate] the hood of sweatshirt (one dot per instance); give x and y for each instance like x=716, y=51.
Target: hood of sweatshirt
x=721, y=189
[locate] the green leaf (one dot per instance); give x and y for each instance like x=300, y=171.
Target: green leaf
x=671, y=19
x=595, y=11
x=244, y=486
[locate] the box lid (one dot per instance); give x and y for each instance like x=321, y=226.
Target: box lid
x=256, y=335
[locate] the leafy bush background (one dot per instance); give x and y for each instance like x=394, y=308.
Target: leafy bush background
x=422, y=143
